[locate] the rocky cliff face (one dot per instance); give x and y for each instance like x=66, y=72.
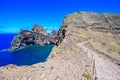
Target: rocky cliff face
x=102, y=22
x=54, y=34
x=38, y=29
x=102, y=29
x=98, y=34
x=37, y=36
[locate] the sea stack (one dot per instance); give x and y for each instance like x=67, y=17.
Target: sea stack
x=37, y=36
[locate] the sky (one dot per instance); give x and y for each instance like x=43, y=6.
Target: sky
x=23, y=14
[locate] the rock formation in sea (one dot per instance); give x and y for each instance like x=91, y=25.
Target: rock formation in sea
x=37, y=36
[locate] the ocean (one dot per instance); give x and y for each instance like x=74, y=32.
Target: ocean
x=27, y=56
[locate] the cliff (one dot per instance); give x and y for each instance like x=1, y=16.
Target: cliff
x=100, y=28
x=37, y=36
x=98, y=35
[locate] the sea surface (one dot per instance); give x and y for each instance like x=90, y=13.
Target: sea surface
x=27, y=56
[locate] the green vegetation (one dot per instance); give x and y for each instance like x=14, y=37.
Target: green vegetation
x=87, y=76
x=87, y=65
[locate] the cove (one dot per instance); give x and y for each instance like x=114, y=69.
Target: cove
x=27, y=56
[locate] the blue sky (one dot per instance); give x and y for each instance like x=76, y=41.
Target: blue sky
x=17, y=14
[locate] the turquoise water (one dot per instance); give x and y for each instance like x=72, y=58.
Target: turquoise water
x=27, y=56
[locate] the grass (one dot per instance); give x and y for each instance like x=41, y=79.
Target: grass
x=87, y=76
x=87, y=65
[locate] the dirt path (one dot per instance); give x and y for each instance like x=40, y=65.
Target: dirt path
x=104, y=69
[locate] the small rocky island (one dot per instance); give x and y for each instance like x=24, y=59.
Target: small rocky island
x=37, y=36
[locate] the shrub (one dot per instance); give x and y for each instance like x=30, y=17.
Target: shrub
x=87, y=76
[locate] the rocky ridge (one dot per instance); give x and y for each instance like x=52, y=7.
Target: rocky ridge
x=98, y=34
x=103, y=22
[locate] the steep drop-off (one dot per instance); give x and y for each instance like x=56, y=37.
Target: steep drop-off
x=102, y=31
x=98, y=34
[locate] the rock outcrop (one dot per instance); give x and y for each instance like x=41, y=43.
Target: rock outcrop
x=54, y=34
x=101, y=28
x=37, y=36
x=102, y=22
x=38, y=29
x=95, y=34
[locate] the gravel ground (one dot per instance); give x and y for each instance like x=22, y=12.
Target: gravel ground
x=71, y=67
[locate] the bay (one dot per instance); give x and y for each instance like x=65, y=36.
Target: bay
x=27, y=56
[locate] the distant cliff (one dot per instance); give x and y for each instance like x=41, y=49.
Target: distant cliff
x=37, y=36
